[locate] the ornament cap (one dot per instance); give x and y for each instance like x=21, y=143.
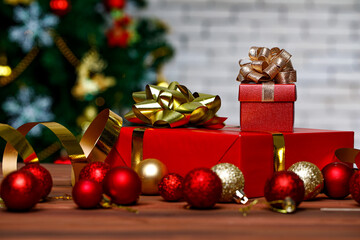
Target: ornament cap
x=289, y=205
x=240, y=197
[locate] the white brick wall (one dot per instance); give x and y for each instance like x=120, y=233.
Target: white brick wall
x=210, y=36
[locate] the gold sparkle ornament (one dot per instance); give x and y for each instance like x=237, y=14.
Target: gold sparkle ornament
x=150, y=171
x=233, y=182
x=311, y=176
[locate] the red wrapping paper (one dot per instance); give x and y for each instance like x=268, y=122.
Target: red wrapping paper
x=259, y=115
x=183, y=149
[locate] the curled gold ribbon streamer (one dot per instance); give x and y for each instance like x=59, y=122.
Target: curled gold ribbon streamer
x=95, y=144
x=267, y=65
x=18, y=144
x=175, y=106
x=348, y=155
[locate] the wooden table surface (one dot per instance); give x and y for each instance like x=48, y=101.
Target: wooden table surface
x=157, y=219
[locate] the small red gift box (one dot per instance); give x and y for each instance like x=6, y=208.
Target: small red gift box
x=267, y=107
x=183, y=149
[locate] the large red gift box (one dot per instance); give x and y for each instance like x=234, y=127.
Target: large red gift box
x=183, y=149
x=267, y=107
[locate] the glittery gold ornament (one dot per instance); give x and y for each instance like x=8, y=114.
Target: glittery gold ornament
x=311, y=176
x=150, y=171
x=232, y=182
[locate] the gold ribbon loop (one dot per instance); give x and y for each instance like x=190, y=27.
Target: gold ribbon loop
x=259, y=66
x=267, y=65
x=174, y=106
x=271, y=71
x=263, y=54
x=95, y=144
x=18, y=143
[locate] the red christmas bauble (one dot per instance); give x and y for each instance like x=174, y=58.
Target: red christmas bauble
x=122, y=185
x=354, y=186
x=202, y=188
x=122, y=22
x=20, y=191
x=336, y=179
x=95, y=171
x=60, y=7
x=87, y=193
x=118, y=4
x=284, y=184
x=42, y=175
x=117, y=37
x=170, y=187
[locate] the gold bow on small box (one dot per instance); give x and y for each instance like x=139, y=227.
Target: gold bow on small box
x=175, y=106
x=267, y=65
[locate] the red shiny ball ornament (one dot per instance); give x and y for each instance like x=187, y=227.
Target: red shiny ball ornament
x=202, y=188
x=284, y=184
x=336, y=179
x=95, y=171
x=20, y=191
x=87, y=193
x=118, y=4
x=42, y=175
x=354, y=186
x=170, y=187
x=122, y=185
x=60, y=7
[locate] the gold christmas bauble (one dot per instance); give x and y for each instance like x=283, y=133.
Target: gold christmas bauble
x=150, y=171
x=232, y=180
x=311, y=176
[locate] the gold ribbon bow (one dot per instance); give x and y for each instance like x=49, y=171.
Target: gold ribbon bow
x=175, y=106
x=95, y=144
x=267, y=65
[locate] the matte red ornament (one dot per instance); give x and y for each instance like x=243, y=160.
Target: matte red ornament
x=60, y=7
x=122, y=185
x=20, y=191
x=117, y=4
x=336, y=179
x=202, y=188
x=123, y=21
x=117, y=37
x=42, y=175
x=284, y=184
x=95, y=171
x=170, y=187
x=354, y=186
x=87, y=193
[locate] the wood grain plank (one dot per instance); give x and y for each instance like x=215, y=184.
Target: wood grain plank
x=157, y=219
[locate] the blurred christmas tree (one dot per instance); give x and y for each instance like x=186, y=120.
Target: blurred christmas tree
x=66, y=61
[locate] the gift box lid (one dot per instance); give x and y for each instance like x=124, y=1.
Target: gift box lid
x=255, y=92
